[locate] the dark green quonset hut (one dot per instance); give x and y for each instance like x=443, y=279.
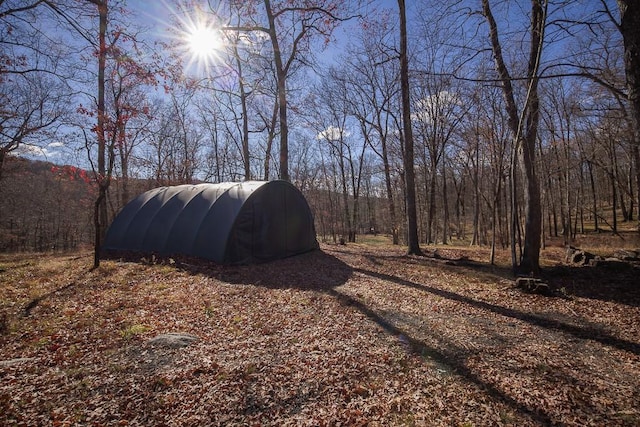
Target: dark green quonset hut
x=230, y=223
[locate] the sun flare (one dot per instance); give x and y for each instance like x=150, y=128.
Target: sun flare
x=199, y=35
x=203, y=42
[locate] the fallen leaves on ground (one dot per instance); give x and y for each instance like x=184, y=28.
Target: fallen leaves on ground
x=349, y=335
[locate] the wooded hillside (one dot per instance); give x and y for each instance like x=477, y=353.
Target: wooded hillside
x=523, y=122
x=46, y=207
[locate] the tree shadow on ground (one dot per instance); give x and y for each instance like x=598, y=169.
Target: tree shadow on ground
x=612, y=284
x=582, y=332
x=617, y=283
x=452, y=357
x=458, y=264
x=318, y=271
x=313, y=271
x=447, y=353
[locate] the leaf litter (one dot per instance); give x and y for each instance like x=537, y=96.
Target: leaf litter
x=349, y=335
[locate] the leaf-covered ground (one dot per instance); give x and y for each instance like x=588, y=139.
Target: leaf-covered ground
x=349, y=335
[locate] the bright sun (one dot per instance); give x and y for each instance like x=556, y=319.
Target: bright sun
x=199, y=36
x=203, y=42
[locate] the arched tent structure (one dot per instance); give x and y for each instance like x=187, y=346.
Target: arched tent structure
x=230, y=223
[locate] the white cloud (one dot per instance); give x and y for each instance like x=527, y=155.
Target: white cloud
x=428, y=106
x=55, y=144
x=35, y=151
x=333, y=133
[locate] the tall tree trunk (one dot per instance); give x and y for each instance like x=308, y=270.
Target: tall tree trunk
x=3, y=156
x=101, y=214
x=635, y=151
x=513, y=191
x=410, y=178
x=431, y=200
x=567, y=193
x=530, y=262
x=270, y=137
x=630, y=30
x=524, y=128
x=445, y=204
x=494, y=220
x=592, y=181
x=581, y=206
x=281, y=77
x=347, y=228
x=390, y=199
x=475, y=239
x=614, y=197
x=245, y=117
x=630, y=191
x=387, y=180
x=124, y=167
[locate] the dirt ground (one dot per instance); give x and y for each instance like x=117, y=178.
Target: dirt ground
x=348, y=335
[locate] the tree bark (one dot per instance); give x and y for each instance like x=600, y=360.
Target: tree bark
x=390, y=198
x=2, y=158
x=630, y=30
x=475, y=238
x=445, y=203
x=281, y=77
x=124, y=167
x=245, y=117
x=524, y=128
x=412, y=217
x=101, y=214
x=270, y=137
x=592, y=181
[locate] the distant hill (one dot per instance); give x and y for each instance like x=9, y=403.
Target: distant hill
x=44, y=206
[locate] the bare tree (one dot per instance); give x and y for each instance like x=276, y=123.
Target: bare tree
x=372, y=75
x=291, y=28
x=559, y=118
x=95, y=22
x=412, y=218
x=33, y=96
x=31, y=105
x=332, y=123
x=175, y=147
x=103, y=171
x=523, y=123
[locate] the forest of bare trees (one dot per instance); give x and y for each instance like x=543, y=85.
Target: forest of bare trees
x=520, y=120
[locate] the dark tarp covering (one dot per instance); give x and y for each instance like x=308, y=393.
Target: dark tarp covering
x=231, y=223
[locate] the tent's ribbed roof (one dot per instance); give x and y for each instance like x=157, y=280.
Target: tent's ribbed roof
x=198, y=219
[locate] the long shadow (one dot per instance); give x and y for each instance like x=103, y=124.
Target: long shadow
x=464, y=264
x=450, y=358
x=322, y=272
x=585, y=333
x=26, y=311
x=618, y=284
x=318, y=271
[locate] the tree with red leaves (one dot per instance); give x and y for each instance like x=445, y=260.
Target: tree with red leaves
x=119, y=75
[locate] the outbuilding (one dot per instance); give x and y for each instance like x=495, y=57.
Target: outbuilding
x=229, y=223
